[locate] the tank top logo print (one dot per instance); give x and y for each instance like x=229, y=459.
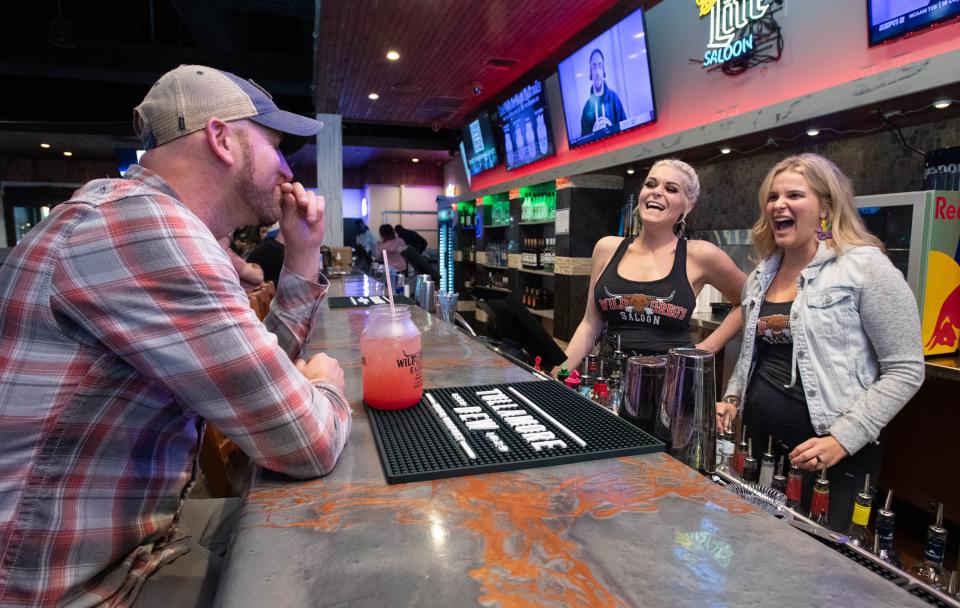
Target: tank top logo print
x=774, y=329
x=641, y=308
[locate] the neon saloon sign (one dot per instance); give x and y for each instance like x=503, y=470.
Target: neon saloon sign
x=730, y=37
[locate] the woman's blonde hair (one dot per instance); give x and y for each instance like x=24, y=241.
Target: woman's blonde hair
x=834, y=190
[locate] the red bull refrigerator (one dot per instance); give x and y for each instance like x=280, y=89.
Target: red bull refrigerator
x=921, y=231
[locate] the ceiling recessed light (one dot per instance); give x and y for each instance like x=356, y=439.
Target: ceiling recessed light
x=630, y=171
x=373, y=96
x=940, y=104
x=67, y=153
x=415, y=160
x=725, y=150
x=813, y=132
x=393, y=55
x=44, y=146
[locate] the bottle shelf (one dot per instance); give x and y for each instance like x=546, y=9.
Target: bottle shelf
x=538, y=222
x=495, y=267
x=545, y=273
x=546, y=313
x=491, y=287
x=496, y=226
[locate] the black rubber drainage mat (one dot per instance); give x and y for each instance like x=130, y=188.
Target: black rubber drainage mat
x=415, y=444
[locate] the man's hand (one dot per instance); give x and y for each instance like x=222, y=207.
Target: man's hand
x=602, y=123
x=809, y=454
x=301, y=223
x=322, y=368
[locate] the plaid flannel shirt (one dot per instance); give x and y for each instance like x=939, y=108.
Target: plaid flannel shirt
x=122, y=328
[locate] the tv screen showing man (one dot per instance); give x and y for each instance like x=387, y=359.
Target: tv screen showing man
x=606, y=86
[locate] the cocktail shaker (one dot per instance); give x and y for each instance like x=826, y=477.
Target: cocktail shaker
x=689, y=407
x=643, y=390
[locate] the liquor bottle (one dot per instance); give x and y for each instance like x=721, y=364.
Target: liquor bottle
x=930, y=570
x=779, y=481
x=767, y=464
x=858, y=533
x=586, y=379
x=564, y=373
x=726, y=447
x=591, y=364
x=616, y=390
x=741, y=452
x=820, y=504
x=525, y=208
x=886, y=521
x=794, y=487
x=751, y=470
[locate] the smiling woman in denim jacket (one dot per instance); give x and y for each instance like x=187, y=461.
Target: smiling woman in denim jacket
x=831, y=341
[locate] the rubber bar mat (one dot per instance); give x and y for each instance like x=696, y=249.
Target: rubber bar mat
x=364, y=301
x=888, y=573
x=503, y=427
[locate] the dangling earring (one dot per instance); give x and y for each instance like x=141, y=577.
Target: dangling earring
x=680, y=228
x=825, y=231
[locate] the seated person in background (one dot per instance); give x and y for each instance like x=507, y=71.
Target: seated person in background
x=365, y=236
x=246, y=239
x=251, y=275
x=269, y=254
x=125, y=329
x=412, y=238
x=644, y=289
x=393, y=245
x=831, y=338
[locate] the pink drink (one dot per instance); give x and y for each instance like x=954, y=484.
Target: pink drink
x=392, y=372
x=392, y=360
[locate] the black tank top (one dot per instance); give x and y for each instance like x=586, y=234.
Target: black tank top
x=773, y=345
x=651, y=317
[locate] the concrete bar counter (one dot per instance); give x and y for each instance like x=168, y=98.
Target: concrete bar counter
x=631, y=531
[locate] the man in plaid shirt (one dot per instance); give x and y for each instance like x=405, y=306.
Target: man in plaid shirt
x=123, y=327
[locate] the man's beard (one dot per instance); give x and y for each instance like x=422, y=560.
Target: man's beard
x=261, y=202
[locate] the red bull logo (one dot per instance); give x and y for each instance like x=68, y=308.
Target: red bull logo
x=947, y=325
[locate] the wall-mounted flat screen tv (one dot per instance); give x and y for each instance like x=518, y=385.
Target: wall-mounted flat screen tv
x=479, y=145
x=606, y=85
x=525, y=122
x=891, y=19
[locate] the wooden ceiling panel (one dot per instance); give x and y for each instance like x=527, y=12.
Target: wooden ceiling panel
x=445, y=47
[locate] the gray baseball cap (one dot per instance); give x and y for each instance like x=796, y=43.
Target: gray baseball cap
x=185, y=98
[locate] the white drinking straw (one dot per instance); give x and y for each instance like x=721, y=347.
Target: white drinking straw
x=386, y=274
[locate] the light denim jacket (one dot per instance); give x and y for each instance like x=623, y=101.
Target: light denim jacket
x=856, y=341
